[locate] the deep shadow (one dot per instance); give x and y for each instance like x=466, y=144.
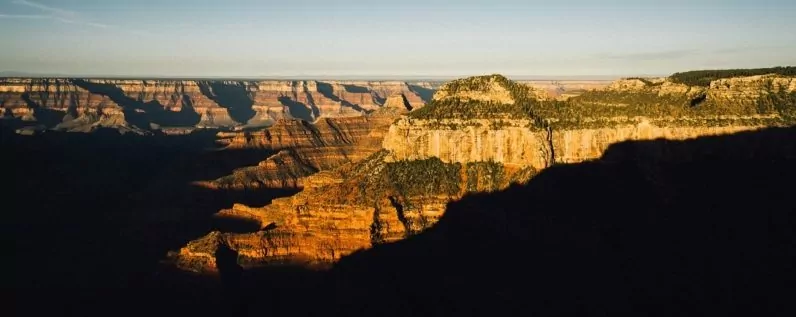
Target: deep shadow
x=91, y=215
x=297, y=110
x=425, y=93
x=356, y=89
x=702, y=227
x=232, y=96
x=140, y=113
x=327, y=91
x=653, y=228
x=698, y=100
x=47, y=117
x=316, y=112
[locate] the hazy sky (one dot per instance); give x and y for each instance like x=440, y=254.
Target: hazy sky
x=398, y=37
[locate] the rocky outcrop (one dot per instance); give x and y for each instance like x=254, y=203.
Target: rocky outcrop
x=399, y=102
x=296, y=133
x=484, y=88
x=353, y=207
x=564, y=89
x=751, y=88
x=727, y=90
x=630, y=84
x=304, y=149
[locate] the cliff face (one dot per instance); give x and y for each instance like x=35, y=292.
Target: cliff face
x=155, y=104
x=481, y=134
x=751, y=88
x=304, y=149
x=511, y=142
x=58, y=103
x=516, y=142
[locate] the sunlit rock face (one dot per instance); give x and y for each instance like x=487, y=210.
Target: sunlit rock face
x=468, y=140
x=423, y=162
x=750, y=88
x=303, y=149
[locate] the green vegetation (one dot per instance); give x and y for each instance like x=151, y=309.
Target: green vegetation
x=485, y=176
x=466, y=109
x=704, y=77
x=372, y=179
x=598, y=104
x=424, y=177
x=645, y=81
x=602, y=108
x=523, y=107
x=523, y=176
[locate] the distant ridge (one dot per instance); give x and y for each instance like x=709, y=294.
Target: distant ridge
x=21, y=74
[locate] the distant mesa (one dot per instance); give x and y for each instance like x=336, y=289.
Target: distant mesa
x=142, y=106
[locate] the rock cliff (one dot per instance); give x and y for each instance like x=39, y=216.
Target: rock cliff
x=145, y=105
x=349, y=208
x=304, y=149
x=482, y=134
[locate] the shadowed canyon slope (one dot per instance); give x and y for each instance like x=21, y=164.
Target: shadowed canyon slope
x=483, y=134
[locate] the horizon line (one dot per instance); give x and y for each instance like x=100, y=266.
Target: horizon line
x=13, y=74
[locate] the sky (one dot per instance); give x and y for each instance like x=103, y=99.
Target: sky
x=404, y=38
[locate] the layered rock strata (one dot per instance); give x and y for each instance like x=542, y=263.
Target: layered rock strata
x=156, y=104
x=304, y=149
x=427, y=162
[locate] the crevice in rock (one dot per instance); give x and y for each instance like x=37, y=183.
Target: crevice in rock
x=326, y=90
x=550, y=146
x=339, y=135
x=317, y=139
x=399, y=210
x=316, y=112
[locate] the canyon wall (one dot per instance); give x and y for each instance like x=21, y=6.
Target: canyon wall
x=304, y=149
x=512, y=142
x=148, y=105
x=517, y=142
x=442, y=152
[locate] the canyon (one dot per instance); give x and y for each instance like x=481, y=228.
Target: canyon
x=427, y=197
x=471, y=138
x=144, y=106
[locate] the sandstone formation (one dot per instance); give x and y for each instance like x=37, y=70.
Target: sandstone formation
x=304, y=149
x=565, y=89
x=398, y=102
x=439, y=153
x=484, y=88
x=350, y=208
x=751, y=88
x=145, y=105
